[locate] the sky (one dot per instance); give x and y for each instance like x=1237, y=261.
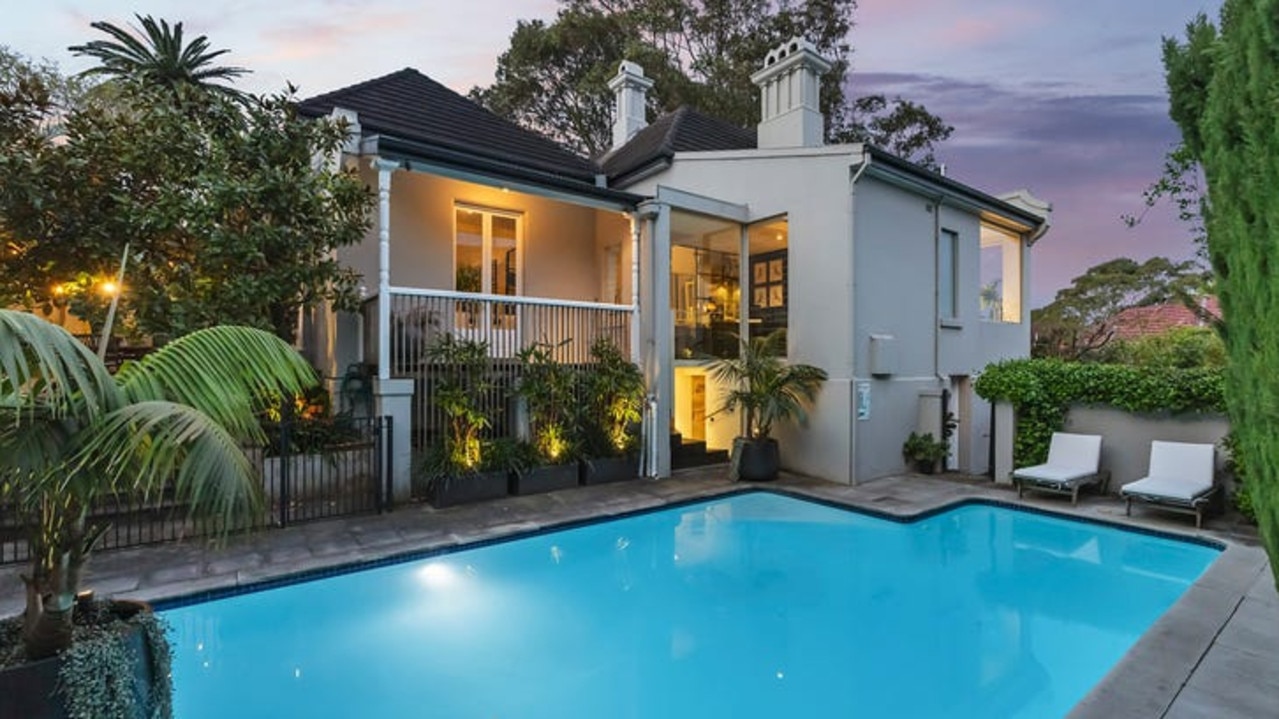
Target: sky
x=1064, y=98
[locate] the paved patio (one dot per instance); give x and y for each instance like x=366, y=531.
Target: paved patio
x=1214, y=654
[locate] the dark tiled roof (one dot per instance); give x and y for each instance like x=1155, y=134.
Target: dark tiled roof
x=684, y=130
x=411, y=106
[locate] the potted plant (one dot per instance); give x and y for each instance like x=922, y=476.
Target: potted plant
x=72, y=434
x=610, y=410
x=546, y=387
x=768, y=390
x=925, y=451
x=458, y=471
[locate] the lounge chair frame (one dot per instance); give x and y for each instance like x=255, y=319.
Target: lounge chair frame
x=1101, y=480
x=1064, y=443
x=1184, y=461
x=1194, y=506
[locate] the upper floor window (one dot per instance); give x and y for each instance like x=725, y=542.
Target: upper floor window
x=1001, y=272
x=486, y=251
x=948, y=274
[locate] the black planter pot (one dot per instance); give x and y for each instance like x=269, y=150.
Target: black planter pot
x=468, y=488
x=758, y=460
x=602, y=470
x=544, y=479
x=926, y=466
x=30, y=691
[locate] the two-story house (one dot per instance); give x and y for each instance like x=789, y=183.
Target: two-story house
x=690, y=232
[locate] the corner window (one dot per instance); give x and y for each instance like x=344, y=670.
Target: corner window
x=948, y=274
x=1001, y=267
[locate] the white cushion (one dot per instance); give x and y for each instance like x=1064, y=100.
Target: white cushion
x=1179, y=488
x=1071, y=457
x=1050, y=473
x=1076, y=451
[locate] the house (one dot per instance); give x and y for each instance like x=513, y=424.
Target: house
x=1137, y=322
x=688, y=233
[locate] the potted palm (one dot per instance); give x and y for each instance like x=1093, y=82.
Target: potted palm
x=72, y=434
x=459, y=470
x=546, y=387
x=768, y=390
x=611, y=405
x=925, y=451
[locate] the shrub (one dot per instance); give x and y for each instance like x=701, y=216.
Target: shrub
x=1042, y=390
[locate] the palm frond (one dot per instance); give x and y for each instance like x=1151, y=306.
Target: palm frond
x=225, y=372
x=141, y=447
x=42, y=367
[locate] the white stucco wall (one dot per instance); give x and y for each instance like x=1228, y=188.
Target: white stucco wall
x=895, y=295
x=810, y=187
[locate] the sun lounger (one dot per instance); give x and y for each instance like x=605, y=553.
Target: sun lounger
x=1180, y=479
x=1074, y=462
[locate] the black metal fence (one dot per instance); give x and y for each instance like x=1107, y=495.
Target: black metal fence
x=308, y=472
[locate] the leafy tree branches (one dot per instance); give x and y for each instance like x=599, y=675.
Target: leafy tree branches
x=1222, y=82
x=227, y=216
x=1078, y=323
x=554, y=76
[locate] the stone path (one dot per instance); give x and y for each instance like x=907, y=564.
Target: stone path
x=1215, y=654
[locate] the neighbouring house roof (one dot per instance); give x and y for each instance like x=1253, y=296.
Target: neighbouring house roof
x=684, y=130
x=1136, y=322
x=416, y=111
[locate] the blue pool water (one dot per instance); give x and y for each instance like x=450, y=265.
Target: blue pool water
x=756, y=605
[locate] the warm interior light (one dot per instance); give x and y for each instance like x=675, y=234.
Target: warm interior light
x=59, y=290
x=110, y=289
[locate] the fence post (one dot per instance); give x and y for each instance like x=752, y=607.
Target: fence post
x=386, y=440
x=286, y=422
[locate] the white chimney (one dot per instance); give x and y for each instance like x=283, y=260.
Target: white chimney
x=789, y=85
x=631, y=89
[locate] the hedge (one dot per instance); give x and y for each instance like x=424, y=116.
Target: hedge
x=1042, y=391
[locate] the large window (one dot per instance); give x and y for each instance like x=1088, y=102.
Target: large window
x=767, y=276
x=1000, y=275
x=486, y=256
x=705, y=285
x=948, y=274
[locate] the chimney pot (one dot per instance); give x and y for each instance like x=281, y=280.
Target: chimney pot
x=790, y=103
x=630, y=88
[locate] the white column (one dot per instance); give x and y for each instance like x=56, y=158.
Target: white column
x=384, y=169
x=663, y=379
x=636, y=229
x=1005, y=430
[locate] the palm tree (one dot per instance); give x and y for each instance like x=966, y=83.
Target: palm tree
x=764, y=386
x=71, y=434
x=159, y=58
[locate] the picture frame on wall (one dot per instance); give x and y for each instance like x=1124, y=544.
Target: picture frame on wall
x=776, y=297
x=760, y=298
x=761, y=273
x=776, y=270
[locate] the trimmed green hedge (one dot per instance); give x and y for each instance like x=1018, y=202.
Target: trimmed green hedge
x=1042, y=390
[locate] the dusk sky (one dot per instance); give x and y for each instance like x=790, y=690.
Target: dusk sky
x=1062, y=97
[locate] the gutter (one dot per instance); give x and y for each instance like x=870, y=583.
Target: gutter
x=852, y=288
x=413, y=152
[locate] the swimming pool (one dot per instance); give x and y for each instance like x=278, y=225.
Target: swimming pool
x=753, y=605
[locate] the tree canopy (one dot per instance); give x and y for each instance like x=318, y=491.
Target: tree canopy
x=1222, y=82
x=226, y=214
x=1078, y=323
x=554, y=76
x=159, y=56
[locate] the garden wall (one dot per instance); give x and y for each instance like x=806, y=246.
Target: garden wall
x=1126, y=436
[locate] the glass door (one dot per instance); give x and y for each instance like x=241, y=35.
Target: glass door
x=486, y=259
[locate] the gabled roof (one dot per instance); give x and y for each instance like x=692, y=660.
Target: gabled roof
x=410, y=106
x=684, y=130
x=1136, y=322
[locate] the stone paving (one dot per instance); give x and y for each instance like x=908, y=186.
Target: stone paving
x=1215, y=653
